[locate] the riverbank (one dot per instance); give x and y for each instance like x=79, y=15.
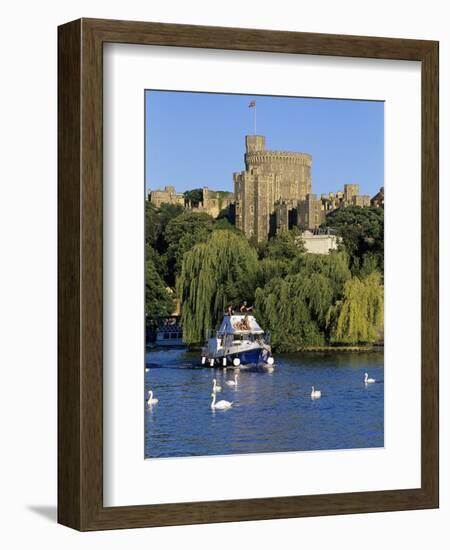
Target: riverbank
x=313, y=349
x=377, y=347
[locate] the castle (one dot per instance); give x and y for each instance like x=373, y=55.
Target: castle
x=274, y=192
x=212, y=202
x=269, y=189
x=168, y=195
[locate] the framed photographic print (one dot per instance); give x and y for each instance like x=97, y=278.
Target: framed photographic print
x=248, y=274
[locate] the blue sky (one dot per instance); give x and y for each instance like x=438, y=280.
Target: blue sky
x=197, y=139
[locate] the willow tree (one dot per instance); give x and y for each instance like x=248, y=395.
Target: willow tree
x=283, y=308
x=214, y=274
x=359, y=316
x=334, y=266
x=294, y=307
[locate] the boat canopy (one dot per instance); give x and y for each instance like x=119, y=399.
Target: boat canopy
x=240, y=324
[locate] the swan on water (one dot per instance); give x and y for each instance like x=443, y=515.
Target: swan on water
x=315, y=394
x=222, y=404
x=215, y=386
x=368, y=380
x=232, y=382
x=151, y=400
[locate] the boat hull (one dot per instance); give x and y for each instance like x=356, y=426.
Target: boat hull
x=255, y=356
x=250, y=357
x=240, y=341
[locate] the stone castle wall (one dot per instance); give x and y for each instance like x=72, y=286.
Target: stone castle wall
x=168, y=195
x=273, y=193
x=213, y=202
x=270, y=177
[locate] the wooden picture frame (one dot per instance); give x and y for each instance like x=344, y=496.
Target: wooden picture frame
x=80, y=272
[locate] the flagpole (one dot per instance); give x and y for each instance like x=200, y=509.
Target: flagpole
x=252, y=105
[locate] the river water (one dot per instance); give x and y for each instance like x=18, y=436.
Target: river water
x=271, y=412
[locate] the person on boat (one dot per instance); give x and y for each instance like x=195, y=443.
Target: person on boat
x=230, y=310
x=244, y=308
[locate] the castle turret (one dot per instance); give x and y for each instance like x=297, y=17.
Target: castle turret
x=269, y=177
x=255, y=143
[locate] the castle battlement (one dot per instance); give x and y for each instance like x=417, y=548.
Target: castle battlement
x=258, y=157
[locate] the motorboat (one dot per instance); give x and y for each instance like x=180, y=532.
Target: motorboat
x=239, y=342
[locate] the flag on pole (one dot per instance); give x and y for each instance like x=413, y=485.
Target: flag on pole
x=252, y=103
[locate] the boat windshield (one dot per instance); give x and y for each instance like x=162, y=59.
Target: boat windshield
x=249, y=337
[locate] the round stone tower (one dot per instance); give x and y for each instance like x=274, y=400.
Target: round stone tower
x=270, y=178
x=291, y=170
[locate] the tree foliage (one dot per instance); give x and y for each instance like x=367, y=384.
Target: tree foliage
x=214, y=274
x=180, y=235
x=303, y=299
x=294, y=308
x=359, y=316
x=158, y=300
x=362, y=232
x=194, y=196
x=156, y=220
x=287, y=245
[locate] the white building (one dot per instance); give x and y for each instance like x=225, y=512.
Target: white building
x=319, y=242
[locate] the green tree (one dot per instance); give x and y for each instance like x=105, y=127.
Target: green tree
x=186, y=222
x=152, y=225
x=286, y=245
x=269, y=268
x=181, y=234
x=158, y=300
x=159, y=261
x=214, y=274
x=282, y=307
x=362, y=232
x=277, y=255
x=359, y=316
x=224, y=223
x=294, y=305
x=194, y=196
x=335, y=266
x=156, y=220
x=228, y=213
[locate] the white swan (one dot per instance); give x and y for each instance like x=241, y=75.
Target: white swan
x=151, y=400
x=215, y=386
x=315, y=394
x=368, y=380
x=222, y=404
x=232, y=382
